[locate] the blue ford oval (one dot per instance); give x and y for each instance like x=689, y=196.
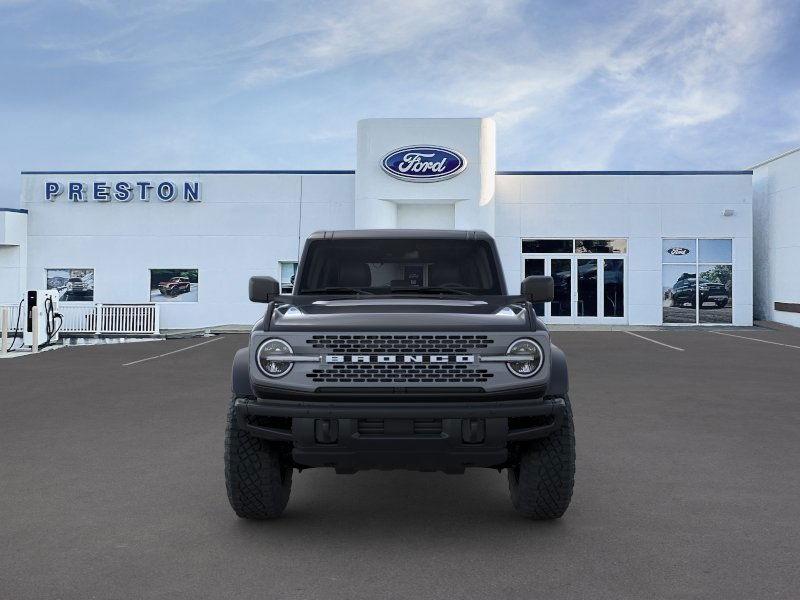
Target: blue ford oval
x=423, y=163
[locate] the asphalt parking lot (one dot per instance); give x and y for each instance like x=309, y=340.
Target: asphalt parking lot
x=687, y=485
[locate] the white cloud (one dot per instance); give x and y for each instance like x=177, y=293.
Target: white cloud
x=693, y=67
x=570, y=86
x=336, y=34
x=685, y=64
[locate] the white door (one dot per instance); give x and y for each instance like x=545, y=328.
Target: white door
x=587, y=288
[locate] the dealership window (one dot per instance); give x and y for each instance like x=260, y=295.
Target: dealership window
x=288, y=271
x=614, y=246
x=73, y=285
x=547, y=246
x=697, y=281
x=589, y=285
x=176, y=285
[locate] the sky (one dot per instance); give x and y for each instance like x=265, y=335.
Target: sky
x=199, y=84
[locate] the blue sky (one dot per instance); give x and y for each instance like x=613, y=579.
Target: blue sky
x=195, y=84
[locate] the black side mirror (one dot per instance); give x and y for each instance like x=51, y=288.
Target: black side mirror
x=538, y=288
x=263, y=289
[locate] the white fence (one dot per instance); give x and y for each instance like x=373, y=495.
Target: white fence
x=12, y=316
x=100, y=318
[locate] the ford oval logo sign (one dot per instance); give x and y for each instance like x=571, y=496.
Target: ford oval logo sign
x=678, y=251
x=423, y=163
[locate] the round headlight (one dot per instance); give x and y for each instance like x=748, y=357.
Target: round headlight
x=530, y=365
x=270, y=348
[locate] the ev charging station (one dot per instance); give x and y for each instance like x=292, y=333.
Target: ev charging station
x=42, y=320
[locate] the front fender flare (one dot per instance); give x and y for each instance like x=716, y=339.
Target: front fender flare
x=559, y=377
x=240, y=374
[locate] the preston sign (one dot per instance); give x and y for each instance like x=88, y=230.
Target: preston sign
x=423, y=163
x=123, y=191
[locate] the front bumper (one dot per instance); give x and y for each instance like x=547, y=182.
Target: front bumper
x=444, y=436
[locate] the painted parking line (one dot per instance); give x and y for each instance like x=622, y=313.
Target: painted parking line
x=654, y=341
x=743, y=337
x=141, y=360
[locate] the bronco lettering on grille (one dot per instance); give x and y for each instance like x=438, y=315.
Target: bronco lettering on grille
x=399, y=358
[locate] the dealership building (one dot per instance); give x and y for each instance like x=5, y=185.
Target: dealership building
x=624, y=247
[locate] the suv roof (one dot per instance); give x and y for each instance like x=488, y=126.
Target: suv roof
x=354, y=234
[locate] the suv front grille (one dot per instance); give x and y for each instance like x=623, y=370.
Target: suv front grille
x=399, y=372
x=398, y=344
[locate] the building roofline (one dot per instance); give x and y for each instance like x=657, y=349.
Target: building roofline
x=740, y=172
x=197, y=172
x=24, y=211
x=349, y=172
x=781, y=155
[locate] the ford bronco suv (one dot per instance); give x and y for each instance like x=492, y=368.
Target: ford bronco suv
x=175, y=286
x=400, y=349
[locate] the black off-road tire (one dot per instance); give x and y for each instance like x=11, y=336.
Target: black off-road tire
x=541, y=483
x=257, y=481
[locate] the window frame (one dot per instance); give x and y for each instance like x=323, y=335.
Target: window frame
x=696, y=264
x=94, y=282
x=600, y=319
x=294, y=262
x=150, y=278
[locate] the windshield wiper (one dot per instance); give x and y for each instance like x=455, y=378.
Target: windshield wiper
x=337, y=290
x=432, y=290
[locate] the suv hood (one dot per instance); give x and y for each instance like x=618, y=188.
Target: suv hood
x=494, y=313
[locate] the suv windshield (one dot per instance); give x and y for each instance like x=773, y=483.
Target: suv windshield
x=411, y=266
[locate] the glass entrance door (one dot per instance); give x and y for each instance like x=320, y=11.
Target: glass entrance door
x=587, y=289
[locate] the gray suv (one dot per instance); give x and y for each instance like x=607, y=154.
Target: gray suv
x=400, y=349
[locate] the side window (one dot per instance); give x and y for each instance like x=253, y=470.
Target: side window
x=288, y=271
x=697, y=280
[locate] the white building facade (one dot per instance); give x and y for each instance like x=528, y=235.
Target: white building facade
x=636, y=248
x=776, y=197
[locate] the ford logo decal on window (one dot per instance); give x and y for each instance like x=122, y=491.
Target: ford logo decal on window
x=678, y=251
x=423, y=163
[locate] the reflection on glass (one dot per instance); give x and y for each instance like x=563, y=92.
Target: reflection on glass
x=547, y=246
x=679, y=251
x=716, y=299
x=679, y=285
x=288, y=272
x=616, y=246
x=561, y=270
x=535, y=266
x=587, y=287
x=613, y=287
x=716, y=251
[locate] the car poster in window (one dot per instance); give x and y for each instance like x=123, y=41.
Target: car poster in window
x=173, y=285
x=73, y=285
x=716, y=293
x=679, y=293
